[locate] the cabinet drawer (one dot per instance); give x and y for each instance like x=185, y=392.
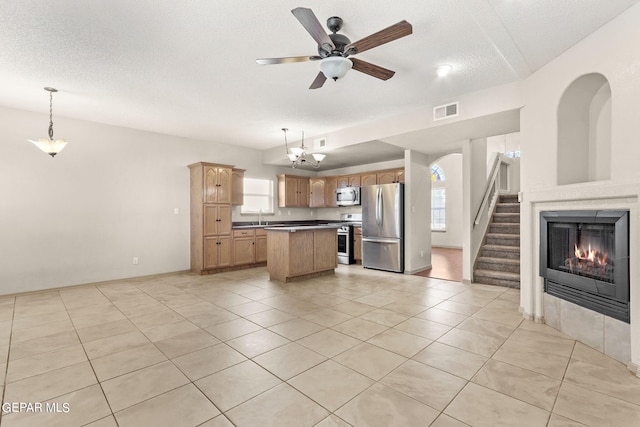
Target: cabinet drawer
x=244, y=233
x=261, y=232
x=357, y=231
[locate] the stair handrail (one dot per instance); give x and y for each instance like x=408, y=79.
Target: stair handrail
x=493, y=185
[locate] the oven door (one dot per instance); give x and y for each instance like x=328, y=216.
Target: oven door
x=345, y=253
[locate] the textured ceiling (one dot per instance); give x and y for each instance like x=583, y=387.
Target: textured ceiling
x=188, y=68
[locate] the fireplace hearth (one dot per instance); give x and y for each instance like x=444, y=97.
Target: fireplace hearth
x=584, y=258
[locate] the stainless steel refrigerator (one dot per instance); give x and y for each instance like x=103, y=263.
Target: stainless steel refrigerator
x=383, y=227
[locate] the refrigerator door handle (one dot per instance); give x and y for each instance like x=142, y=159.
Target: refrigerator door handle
x=379, y=240
x=379, y=207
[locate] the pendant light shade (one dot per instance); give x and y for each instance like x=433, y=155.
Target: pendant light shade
x=50, y=145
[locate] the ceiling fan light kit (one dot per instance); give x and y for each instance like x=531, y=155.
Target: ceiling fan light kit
x=334, y=48
x=335, y=67
x=49, y=145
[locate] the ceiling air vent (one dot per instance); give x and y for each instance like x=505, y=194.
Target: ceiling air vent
x=445, y=111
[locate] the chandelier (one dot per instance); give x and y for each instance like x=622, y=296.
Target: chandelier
x=49, y=145
x=299, y=155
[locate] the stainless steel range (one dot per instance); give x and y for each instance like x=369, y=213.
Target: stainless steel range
x=345, y=237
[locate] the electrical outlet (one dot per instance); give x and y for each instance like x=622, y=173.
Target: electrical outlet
x=135, y=260
x=289, y=213
x=421, y=254
x=176, y=211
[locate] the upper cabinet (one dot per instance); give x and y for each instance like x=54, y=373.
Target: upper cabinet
x=293, y=191
x=370, y=178
x=217, y=183
x=349, y=181
x=317, y=192
x=237, y=186
x=390, y=176
x=330, y=187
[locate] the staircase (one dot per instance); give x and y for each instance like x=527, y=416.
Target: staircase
x=499, y=260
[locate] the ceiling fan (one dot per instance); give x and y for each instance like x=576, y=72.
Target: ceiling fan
x=334, y=49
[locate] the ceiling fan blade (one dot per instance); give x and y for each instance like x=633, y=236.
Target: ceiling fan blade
x=309, y=21
x=319, y=81
x=287, y=60
x=389, y=34
x=371, y=69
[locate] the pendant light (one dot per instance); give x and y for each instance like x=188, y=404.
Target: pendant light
x=49, y=145
x=299, y=155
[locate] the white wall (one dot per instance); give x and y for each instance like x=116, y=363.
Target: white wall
x=107, y=197
x=417, y=212
x=451, y=165
x=611, y=51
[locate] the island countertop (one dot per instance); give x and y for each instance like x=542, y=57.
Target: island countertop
x=295, y=228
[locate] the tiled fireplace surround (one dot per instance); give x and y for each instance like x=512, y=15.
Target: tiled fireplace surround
x=603, y=333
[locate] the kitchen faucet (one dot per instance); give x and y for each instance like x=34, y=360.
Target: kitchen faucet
x=260, y=217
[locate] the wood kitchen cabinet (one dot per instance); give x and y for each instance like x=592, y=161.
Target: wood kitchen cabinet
x=244, y=247
x=261, y=245
x=237, y=186
x=390, y=176
x=317, y=197
x=330, y=187
x=293, y=191
x=217, y=220
x=210, y=214
x=217, y=184
x=357, y=244
x=349, y=181
x=217, y=252
x=368, y=179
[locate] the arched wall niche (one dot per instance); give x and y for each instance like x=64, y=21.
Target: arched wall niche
x=584, y=131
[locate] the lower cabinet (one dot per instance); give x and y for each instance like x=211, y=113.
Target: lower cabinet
x=217, y=252
x=357, y=243
x=261, y=245
x=249, y=246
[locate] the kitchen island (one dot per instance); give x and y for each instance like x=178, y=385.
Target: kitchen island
x=301, y=252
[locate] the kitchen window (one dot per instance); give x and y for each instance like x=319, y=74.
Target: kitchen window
x=258, y=196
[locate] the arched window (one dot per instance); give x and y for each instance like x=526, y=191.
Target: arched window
x=436, y=173
x=438, y=200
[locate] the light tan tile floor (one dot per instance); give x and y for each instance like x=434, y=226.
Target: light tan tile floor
x=361, y=348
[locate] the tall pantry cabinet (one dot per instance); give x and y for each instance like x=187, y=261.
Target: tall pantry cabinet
x=211, y=193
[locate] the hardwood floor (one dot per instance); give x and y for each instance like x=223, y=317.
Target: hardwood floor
x=446, y=264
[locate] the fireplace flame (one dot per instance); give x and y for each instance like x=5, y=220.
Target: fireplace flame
x=590, y=255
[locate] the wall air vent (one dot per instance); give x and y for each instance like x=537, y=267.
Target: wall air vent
x=445, y=111
x=319, y=143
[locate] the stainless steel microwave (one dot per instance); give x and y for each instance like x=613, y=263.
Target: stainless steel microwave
x=348, y=196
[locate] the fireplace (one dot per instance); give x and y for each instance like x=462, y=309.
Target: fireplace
x=584, y=258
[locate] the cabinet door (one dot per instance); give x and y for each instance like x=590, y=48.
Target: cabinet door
x=237, y=187
x=224, y=185
x=224, y=251
x=343, y=181
x=330, y=186
x=291, y=191
x=354, y=181
x=368, y=179
x=243, y=251
x=210, y=184
x=224, y=216
x=357, y=243
x=211, y=251
x=316, y=193
x=386, y=177
x=261, y=248
x=303, y=192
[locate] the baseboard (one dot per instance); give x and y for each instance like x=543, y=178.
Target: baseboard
x=418, y=270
